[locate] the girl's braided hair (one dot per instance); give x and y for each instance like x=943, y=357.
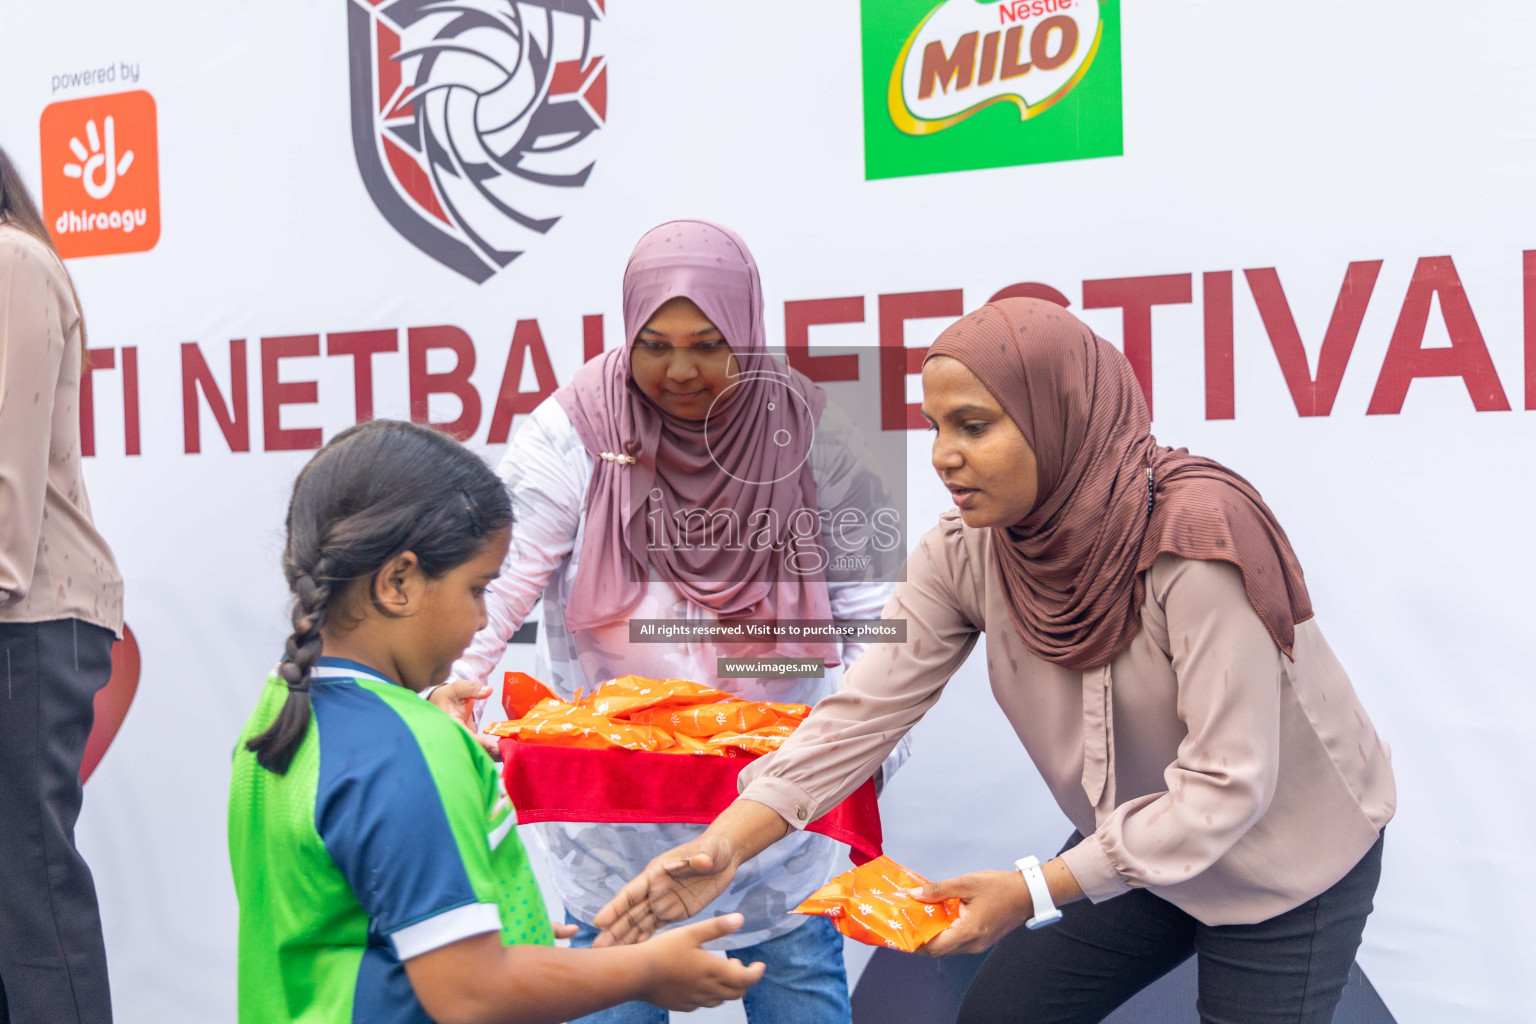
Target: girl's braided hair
x=374, y=491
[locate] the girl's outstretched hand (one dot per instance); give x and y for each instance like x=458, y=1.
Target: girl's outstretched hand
x=686, y=976
x=477, y=980
x=673, y=887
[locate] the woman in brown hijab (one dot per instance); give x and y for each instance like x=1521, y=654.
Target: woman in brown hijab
x=1151, y=640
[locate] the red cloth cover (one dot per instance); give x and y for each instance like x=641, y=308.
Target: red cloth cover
x=549, y=783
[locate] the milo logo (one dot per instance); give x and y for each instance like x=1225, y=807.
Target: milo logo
x=963, y=84
x=969, y=54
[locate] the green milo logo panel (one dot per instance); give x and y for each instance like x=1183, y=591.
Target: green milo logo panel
x=964, y=84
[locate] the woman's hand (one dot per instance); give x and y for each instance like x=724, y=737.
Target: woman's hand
x=685, y=977
x=673, y=887
x=992, y=904
x=685, y=880
x=458, y=697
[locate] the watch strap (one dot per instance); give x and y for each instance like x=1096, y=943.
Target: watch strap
x=1040, y=893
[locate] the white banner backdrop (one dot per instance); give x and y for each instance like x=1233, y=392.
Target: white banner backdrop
x=1266, y=150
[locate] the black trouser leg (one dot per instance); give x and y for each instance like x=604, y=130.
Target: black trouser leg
x=1079, y=969
x=52, y=959
x=1291, y=968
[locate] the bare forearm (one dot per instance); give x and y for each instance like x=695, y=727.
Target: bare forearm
x=533, y=984
x=747, y=828
x=550, y=984
x=1062, y=883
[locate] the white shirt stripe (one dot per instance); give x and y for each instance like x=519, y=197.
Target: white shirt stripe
x=445, y=928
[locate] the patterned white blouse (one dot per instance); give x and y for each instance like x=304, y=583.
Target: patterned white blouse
x=548, y=470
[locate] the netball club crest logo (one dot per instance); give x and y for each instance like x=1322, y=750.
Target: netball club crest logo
x=964, y=84
x=474, y=120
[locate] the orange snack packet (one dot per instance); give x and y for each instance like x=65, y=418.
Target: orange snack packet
x=519, y=692
x=735, y=744
x=632, y=712
x=870, y=904
x=704, y=720
x=576, y=725
x=627, y=696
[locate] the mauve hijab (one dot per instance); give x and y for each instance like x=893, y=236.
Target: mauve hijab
x=727, y=462
x=1072, y=570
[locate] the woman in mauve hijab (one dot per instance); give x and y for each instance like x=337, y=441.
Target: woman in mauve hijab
x=621, y=486
x=1151, y=640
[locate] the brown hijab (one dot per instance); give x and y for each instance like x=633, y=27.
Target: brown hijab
x=1111, y=499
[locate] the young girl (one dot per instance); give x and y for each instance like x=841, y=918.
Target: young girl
x=378, y=871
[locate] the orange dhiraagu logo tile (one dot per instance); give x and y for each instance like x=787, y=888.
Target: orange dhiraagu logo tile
x=101, y=174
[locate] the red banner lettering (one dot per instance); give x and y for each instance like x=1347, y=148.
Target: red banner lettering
x=276, y=393
x=800, y=316
x=511, y=400
x=234, y=419
x=897, y=361
x=362, y=346
x=1136, y=296
x=420, y=341
x=1407, y=359
x=1314, y=395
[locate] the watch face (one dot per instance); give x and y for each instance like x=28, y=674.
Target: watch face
x=1043, y=920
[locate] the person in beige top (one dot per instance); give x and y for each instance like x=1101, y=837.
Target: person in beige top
x=61, y=606
x=1152, y=642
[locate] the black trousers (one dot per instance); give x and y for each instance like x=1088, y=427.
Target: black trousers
x=53, y=964
x=1291, y=968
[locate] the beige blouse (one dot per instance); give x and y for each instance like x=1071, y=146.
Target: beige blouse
x=53, y=563
x=1201, y=764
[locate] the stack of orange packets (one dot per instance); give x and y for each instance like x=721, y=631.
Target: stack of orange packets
x=870, y=904
x=670, y=716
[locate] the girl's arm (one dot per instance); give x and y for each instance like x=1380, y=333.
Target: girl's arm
x=479, y=981
x=31, y=358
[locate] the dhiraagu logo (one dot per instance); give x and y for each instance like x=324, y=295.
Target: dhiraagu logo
x=965, y=84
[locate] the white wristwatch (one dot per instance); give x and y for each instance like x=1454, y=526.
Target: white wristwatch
x=1045, y=910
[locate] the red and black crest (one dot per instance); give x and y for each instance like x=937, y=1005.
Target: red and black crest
x=473, y=120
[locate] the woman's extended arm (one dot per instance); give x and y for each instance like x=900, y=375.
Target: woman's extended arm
x=829, y=756
x=860, y=601
x=546, y=471
x=686, y=879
